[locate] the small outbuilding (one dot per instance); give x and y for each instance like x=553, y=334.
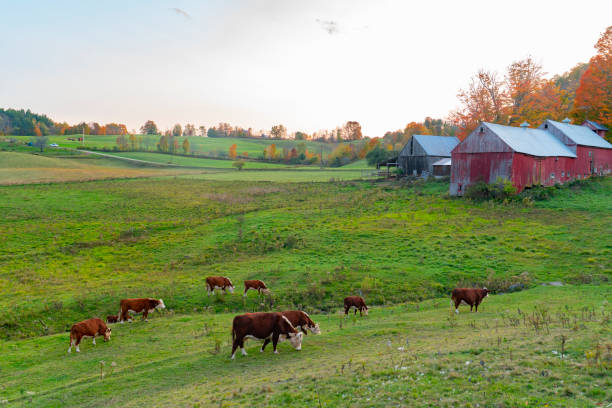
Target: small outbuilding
x=442, y=168
x=422, y=151
x=593, y=152
x=522, y=155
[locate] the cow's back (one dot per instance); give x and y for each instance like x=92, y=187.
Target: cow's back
x=89, y=326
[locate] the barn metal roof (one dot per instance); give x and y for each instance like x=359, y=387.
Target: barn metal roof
x=596, y=125
x=581, y=135
x=443, y=162
x=535, y=142
x=437, y=145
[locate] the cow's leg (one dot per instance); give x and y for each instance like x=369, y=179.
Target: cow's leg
x=245, y=292
x=265, y=343
x=303, y=330
x=275, y=342
x=94, y=340
x=477, y=303
x=145, y=315
x=78, y=341
x=234, y=347
x=457, y=303
x=71, y=343
x=356, y=311
x=244, y=353
x=346, y=309
x=121, y=316
x=471, y=307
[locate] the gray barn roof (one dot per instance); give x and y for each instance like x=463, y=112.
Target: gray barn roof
x=535, y=142
x=443, y=162
x=596, y=125
x=581, y=135
x=437, y=145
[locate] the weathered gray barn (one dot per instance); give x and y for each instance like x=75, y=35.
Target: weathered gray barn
x=422, y=151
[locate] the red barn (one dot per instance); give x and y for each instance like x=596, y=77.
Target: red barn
x=593, y=152
x=523, y=155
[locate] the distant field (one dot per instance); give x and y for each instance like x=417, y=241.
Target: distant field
x=282, y=176
x=202, y=145
x=196, y=162
x=23, y=168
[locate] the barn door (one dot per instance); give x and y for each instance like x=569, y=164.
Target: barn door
x=538, y=181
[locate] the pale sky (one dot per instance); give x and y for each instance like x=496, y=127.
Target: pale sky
x=310, y=65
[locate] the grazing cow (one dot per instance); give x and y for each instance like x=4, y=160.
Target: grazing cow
x=357, y=302
x=469, y=296
x=218, y=282
x=301, y=321
x=257, y=285
x=263, y=326
x=144, y=305
x=112, y=319
x=88, y=328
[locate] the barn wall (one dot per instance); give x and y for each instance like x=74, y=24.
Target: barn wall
x=528, y=171
x=418, y=163
x=441, y=171
x=470, y=168
x=601, y=158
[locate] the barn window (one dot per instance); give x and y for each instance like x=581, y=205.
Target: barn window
x=481, y=129
x=459, y=187
x=562, y=174
x=546, y=126
x=552, y=175
x=590, y=154
x=568, y=174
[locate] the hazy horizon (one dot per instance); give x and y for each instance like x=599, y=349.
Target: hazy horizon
x=309, y=66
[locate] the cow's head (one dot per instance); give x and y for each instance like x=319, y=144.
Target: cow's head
x=107, y=334
x=365, y=310
x=231, y=285
x=296, y=340
x=160, y=304
x=314, y=328
x=486, y=291
x=266, y=291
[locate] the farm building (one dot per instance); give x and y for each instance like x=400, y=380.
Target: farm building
x=596, y=127
x=442, y=168
x=593, y=152
x=422, y=151
x=523, y=155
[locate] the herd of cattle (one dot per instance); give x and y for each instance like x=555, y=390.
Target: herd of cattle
x=267, y=326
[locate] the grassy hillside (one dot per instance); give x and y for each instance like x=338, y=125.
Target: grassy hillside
x=412, y=355
x=23, y=168
x=202, y=145
x=195, y=161
x=73, y=250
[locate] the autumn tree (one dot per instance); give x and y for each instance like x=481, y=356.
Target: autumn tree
x=149, y=128
x=202, y=131
x=352, y=130
x=177, y=130
x=594, y=94
x=232, y=151
x=270, y=152
x=122, y=143
x=301, y=135
x=483, y=101
x=278, y=132
x=186, y=146
x=523, y=79
x=162, y=145
x=189, y=130
x=133, y=142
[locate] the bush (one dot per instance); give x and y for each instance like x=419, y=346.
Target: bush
x=501, y=190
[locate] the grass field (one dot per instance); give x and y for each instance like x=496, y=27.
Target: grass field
x=195, y=161
x=70, y=251
x=201, y=145
x=412, y=355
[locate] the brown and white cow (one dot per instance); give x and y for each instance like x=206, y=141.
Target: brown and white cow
x=357, y=302
x=139, y=305
x=257, y=285
x=88, y=328
x=263, y=326
x=301, y=321
x=469, y=296
x=219, y=282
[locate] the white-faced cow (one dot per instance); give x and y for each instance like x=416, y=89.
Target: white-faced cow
x=263, y=326
x=358, y=303
x=88, y=328
x=140, y=305
x=469, y=296
x=257, y=285
x=301, y=321
x=219, y=282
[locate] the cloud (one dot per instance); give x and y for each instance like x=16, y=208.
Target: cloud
x=181, y=12
x=330, y=26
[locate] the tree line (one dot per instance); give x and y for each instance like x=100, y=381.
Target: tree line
x=524, y=94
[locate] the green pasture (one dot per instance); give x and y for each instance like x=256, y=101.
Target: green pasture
x=544, y=347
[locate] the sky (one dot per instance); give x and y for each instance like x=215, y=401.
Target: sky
x=308, y=65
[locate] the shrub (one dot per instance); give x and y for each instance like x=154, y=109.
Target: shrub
x=500, y=190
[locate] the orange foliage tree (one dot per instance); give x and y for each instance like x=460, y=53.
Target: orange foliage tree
x=594, y=94
x=232, y=151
